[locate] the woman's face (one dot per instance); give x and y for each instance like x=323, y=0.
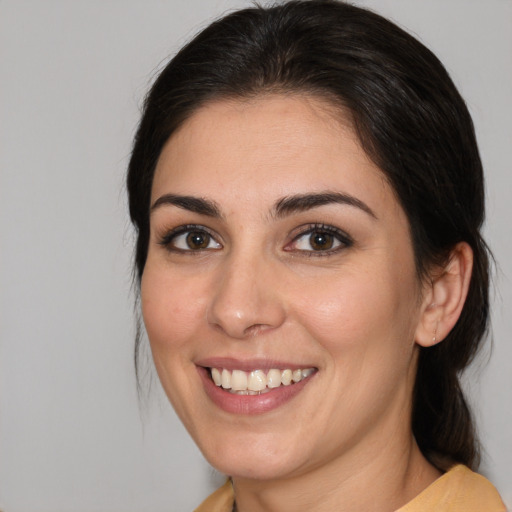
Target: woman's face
x=277, y=246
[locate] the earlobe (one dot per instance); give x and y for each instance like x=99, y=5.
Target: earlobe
x=444, y=301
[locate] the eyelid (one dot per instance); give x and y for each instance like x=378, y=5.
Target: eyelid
x=166, y=239
x=341, y=236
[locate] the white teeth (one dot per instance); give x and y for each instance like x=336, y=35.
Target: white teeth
x=226, y=379
x=286, y=377
x=216, y=377
x=257, y=382
x=238, y=380
x=274, y=378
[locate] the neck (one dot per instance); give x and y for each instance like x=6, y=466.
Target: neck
x=381, y=478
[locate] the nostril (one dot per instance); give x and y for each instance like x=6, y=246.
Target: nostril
x=241, y=332
x=256, y=329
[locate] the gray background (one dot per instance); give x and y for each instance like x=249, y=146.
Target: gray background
x=72, y=76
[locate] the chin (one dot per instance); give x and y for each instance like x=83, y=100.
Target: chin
x=255, y=457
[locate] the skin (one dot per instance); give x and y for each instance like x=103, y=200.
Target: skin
x=357, y=312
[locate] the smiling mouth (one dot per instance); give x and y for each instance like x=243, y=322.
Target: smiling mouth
x=257, y=382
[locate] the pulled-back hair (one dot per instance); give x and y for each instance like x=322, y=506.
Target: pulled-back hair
x=412, y=123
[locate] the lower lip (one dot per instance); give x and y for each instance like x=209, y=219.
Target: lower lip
x=249, y=404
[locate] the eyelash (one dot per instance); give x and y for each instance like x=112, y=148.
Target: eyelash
x=171, y=236
x=344, y=241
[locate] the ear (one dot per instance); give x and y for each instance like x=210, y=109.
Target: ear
x=444, y=300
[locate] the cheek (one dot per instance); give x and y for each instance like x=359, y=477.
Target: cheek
x=365, y=329
x=171, y=315
x=171, y=309
x=360, y=312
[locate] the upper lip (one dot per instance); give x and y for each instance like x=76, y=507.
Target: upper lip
x=248, y=365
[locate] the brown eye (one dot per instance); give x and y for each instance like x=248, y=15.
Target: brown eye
x=321, y=241
x=198, y=240
x=190, y=239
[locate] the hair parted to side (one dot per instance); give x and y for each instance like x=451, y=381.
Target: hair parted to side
x=410, y=120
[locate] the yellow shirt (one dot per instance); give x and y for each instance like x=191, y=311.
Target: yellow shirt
x=458, y=490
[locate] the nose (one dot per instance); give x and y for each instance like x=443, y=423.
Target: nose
x=246, y=299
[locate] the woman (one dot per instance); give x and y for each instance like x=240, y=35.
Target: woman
x=308, y=196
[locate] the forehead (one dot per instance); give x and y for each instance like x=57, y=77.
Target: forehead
x=269, y=146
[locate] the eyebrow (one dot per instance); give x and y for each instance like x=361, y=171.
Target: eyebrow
x=284, y=207
x=303, y=202
x=194, y=204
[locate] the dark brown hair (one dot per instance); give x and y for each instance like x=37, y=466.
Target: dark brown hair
x=412, y=123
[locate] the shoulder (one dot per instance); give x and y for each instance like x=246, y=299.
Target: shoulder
x=220, y=501
x=458, y=490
